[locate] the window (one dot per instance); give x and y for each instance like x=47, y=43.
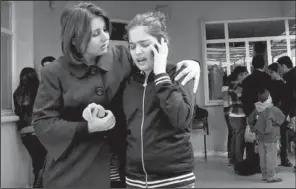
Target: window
x=215, y=31
x=6, y=56
x=256, y=29
x=216, y=59
x=118, y=35
x=235, y=42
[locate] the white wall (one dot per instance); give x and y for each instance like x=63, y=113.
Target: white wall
x=288, y=8
x=16, y=169
x=184, y=30
x=16, y=166
x=24, y=38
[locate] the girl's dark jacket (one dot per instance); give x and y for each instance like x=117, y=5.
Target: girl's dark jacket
x=159, y=117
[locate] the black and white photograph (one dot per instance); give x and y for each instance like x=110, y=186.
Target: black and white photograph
x=148, y=94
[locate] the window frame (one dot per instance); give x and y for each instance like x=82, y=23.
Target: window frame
x=11, y=32
x=228, y=40
x=119, y=42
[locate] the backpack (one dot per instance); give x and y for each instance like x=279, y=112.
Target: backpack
x=248, y=166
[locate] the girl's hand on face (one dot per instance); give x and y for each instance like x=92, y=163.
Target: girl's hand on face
x=160, y=53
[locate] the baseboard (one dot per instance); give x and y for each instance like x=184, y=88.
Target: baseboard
x=210, y=153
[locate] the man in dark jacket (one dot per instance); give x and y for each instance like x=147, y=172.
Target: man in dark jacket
x=251, y=86
x=289, y=103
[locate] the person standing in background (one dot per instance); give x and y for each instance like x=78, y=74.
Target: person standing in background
x=251, y=86
x=237, y=118
x=266, y=121
x=288, y=105
x=24, y=98
x=226, y=106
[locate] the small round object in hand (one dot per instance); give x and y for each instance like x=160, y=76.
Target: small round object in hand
x=101, y=114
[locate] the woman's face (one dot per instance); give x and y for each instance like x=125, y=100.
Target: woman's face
x=99, y=38
x=139, y=44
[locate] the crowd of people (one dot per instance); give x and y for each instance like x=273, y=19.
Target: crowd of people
x=262, y=103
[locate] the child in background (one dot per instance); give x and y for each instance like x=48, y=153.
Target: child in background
x=265, y=121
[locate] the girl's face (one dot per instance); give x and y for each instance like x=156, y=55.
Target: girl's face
x=139, y=44
x=99, y=38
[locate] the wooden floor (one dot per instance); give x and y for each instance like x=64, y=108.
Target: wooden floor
x=215, y=173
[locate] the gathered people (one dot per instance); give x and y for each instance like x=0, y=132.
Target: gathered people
x=78, y=112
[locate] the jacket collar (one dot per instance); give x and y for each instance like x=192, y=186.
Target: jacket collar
x=103, y=62
x=139, y=75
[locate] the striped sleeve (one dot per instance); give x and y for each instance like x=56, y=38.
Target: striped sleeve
x=172, y=182
x=114, y=174
x=162, y=78
x=176, y=101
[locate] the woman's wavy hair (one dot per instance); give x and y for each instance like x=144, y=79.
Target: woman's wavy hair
x=76, y=29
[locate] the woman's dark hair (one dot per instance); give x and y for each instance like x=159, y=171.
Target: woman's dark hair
x=30, y=73
x=286, y=61
x=28, y=85
x=274, y=67
x=237, y=70
x=76, y=29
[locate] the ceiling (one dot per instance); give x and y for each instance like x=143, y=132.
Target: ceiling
x=217, y=52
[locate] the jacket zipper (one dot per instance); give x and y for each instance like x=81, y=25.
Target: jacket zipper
x=142, y=125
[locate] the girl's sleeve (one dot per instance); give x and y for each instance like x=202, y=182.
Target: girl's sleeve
x=176, y=101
